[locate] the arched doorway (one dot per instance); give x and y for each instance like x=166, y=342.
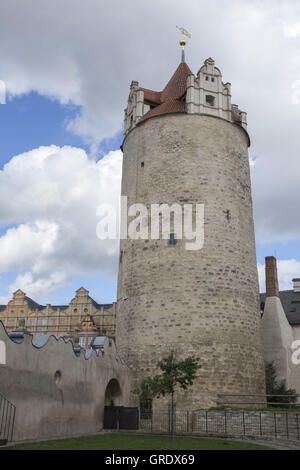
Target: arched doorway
x=2, y=353
x=113, y=393
x=116, y=415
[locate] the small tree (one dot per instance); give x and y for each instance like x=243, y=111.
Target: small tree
x=277, y=388
x=181, y=373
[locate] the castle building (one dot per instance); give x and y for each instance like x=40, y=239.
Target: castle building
x=82, y=319
x=187, y=144
x=185, y=152
x=281, y=327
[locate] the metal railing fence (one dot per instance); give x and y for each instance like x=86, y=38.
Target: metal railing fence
x=226, y=423
x=7, y=420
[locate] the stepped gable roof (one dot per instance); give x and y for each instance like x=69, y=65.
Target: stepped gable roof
x=172, y=98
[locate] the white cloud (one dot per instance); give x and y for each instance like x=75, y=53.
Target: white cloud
x=296, y=92
x=27, y=244
x=252, y=160
x=88, y=52
x=276, y=196
x=2, y=92
x=39, y=286
x=288, y=270
x=51, y=195
x=292, y=30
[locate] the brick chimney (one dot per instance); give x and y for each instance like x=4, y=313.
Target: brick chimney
x=272, y=289
x=296, y=283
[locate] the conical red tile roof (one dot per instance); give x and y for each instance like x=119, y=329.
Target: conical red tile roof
x=172, y=98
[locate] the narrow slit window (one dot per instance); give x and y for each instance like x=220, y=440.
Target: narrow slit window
x=172, y=240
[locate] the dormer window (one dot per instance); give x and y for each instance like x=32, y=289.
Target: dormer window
x=210, y=100
x=148, y=107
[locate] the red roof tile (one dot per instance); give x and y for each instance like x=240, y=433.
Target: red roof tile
x=171, y=99
x=152, y=96
x=177, y=85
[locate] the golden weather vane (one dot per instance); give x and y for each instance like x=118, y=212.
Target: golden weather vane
x=182, y=41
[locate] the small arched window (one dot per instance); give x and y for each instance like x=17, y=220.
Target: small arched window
x=57, y=377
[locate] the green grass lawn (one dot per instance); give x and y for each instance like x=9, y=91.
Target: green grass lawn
x=120, y=441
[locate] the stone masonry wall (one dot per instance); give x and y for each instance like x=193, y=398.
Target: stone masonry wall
x=193, y=302
x=55, y=392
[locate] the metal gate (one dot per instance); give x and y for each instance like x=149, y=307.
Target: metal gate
x=121, y=417
x=7, y=420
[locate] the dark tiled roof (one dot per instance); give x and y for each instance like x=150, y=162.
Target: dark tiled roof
x=105, y=306
x=33, y=305
x=98, y=306
x=291, y=305
x=172, y=98
x=61, y=307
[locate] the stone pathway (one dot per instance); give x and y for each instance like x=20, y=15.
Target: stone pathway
x=278, y=444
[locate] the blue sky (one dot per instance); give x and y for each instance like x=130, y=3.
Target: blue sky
x=30, y=121
x=68, y=70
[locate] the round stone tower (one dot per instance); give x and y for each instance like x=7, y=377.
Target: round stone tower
x=187, y=145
